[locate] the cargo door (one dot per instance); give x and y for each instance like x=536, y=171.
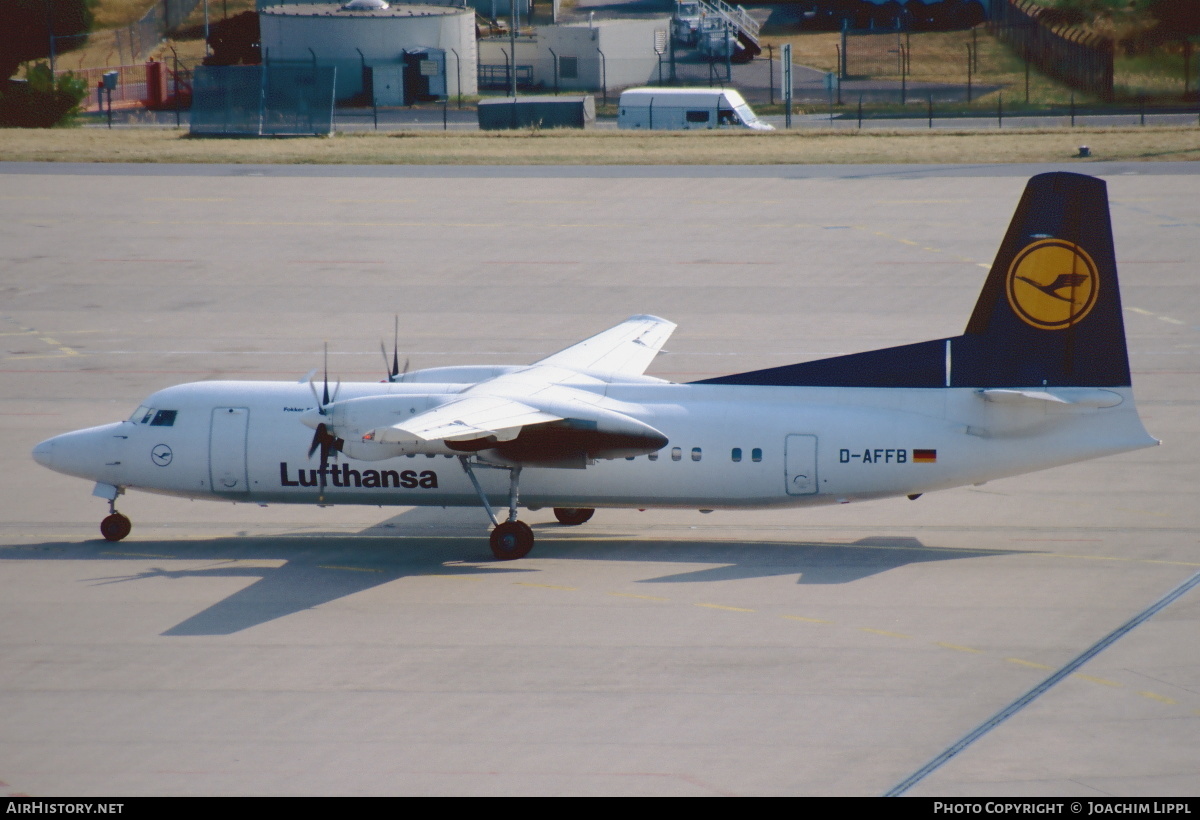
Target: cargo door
x=227, y=449
x=800, y=464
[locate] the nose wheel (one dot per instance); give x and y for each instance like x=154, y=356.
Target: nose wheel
x=115, y=526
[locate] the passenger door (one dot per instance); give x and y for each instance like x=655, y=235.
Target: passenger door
x=800, y=464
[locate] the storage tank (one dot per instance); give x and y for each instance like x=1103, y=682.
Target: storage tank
x=430, y=48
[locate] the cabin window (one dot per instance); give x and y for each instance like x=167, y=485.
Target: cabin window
x=676, y=453
x=695, y=454
x=736, y=455
x=652, y=456
x=697, y=116
x=164, y=418
x=568, y=68
x=756, y=454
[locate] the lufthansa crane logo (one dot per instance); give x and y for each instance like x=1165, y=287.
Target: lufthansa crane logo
x=1052, y=284
x=161, y=455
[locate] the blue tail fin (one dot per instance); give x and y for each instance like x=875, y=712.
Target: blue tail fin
x=1049, y=313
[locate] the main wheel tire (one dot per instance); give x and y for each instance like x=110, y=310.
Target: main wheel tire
x=114, y=527
x=573, y=516
x=511, y=540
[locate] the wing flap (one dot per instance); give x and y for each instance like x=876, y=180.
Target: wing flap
x=468, y=418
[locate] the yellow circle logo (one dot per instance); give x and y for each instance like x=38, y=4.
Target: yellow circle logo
x=1052, y=284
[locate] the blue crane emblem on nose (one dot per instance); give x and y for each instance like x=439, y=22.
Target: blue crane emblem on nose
x=161, y=455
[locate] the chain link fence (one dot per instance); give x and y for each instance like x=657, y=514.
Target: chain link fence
x=277, y=99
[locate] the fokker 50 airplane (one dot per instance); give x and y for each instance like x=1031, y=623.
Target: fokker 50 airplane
x=1039, y=378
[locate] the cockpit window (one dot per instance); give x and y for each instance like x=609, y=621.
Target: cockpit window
x=142, y=415
x=164, y=418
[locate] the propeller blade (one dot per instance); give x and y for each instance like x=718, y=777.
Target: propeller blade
x=325, y=394
x=396, y=349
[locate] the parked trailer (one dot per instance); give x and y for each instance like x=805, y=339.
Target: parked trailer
x=537, y=112
x=675, y=109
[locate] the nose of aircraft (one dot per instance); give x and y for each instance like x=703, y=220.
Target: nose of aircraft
x=94, y=453
x=44, y=453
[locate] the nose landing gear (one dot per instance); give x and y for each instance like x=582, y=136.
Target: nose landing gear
x=115, y=526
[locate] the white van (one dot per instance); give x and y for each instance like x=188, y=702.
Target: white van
x=675, y=109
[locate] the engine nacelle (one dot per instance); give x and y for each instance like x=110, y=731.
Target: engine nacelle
x=352, y=420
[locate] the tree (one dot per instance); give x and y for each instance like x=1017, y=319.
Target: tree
x=41, y=100
x=1177, y=19
x=25, y=27
x=235, y=41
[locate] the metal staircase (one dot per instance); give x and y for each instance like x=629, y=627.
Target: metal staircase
x=739, y=21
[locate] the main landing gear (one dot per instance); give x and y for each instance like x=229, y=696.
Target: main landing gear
x=573, y=516
x=115, y=526
x=511, y=538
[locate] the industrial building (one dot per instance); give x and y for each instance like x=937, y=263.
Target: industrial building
x=604, y=54
x=393, y=54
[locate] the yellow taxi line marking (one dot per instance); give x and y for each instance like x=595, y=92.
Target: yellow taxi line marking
x=1101, y=681
x=726, y=608
x=1159, y=698
x=1030, y=664
x=958, y=648
x=806, y=620
x=546, y=586
x=348, y=569
x=884, y=632
x=642, y=597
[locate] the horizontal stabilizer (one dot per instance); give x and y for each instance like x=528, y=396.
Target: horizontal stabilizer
x=1080, y=397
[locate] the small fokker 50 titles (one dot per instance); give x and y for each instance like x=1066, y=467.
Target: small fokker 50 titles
x=1039, y=378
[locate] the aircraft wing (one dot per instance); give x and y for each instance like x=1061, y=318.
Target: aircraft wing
x=552, y=390
x=470, y=417
x=624, y=350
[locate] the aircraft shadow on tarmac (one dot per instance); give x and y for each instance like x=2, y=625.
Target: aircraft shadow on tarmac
x=295, y=573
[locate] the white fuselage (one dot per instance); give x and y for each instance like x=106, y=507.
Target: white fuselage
x=729, y=447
